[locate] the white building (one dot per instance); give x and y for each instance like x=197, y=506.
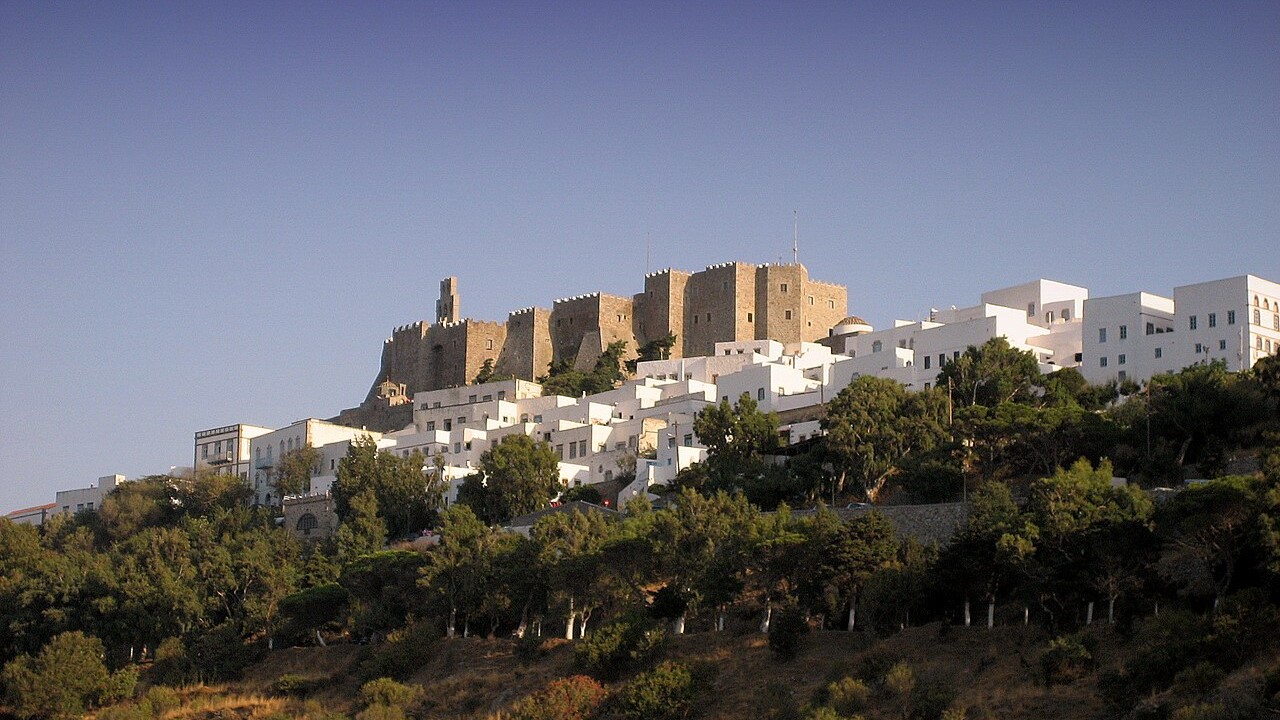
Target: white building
x=225, y=449
x=267, y=450
x=1135, y=336
x=69, y=502
x=36, y=515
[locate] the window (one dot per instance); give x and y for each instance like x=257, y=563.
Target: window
x=1102, y=335
x=942, y=360
x=877, y=346
x=1275, y=322
x=204, y=451
x=688, y=439
x=1259, y=343
x=831, y=304
x=471, y=398
x=1257, y=316
x=784, y=287
x=1066, y=315
x=462, y=420
x=488, y=344
x=1222, y=344
x=760, y=394
x=582, y=448
x=1123, y=376
x=307, y=523
x=1120, y=360
x=457, y=448
x=573, y=450
x=1192, y=322
x=1031, y=309
x=560, y=451
x=1102, y=362
x=902, y=344
x=1124, y=332
x=1213, y=319
x=1231, y=317
x=810, y=299
x=1159, y=352
x=787, y=315
x=955, y=354
x=926, y=362
x=1151, y=328
x=1199, y=348
x=431, y=425
x=448, y=424
x=487, y=398
x=751, y=317
x=435, y=404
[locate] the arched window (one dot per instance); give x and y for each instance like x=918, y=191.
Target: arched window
x=1255, y=301
x=1066, y=315
x=877, y=346
x=307, y=523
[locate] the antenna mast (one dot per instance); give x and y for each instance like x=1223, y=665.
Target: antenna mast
x=795, y=237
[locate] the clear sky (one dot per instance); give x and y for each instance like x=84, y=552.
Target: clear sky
x=215, y=213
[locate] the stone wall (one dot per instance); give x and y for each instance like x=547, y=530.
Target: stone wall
x=526, y=353
x=717, y=301
x=659, y=309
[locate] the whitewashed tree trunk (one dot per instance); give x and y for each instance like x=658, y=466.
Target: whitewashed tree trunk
x=991, y=615
x=569, y=622
x=677, y=626
x=271, y=642
x=466, y=627
x=452, y=630
x=320, y=639
x=768, y=615
x=1088, y=613
x=1111, y=611
x=1157, y=608
x=720, y=621
x=968, y=620
x=1026, y=614
x=853, y=616
x=582, y=625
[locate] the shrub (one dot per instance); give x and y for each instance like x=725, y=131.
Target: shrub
x=385, y=691
x=66, y=678
x=128, y=711
x=403, y=652
x=573, y=698
x=619, y=646
x=666, y=692
x=295, y=685
x=170, y=665
x=1199, y=711
x=786, y=632
x=1199, y=679
x=1068, y=658
x=900, y=682
x=381, y=712
x=529, y=649
x=221, y=654
x=160, y=699
x=848, y=695
x=931, y=698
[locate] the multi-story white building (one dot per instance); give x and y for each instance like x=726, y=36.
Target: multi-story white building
x=267, y=450
x=225, y=449
x=1135, y=336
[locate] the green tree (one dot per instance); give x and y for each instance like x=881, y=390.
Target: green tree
x=608, y=372
x=991, y=374
x=363, y=531
x=64, y=680
x=738, y=437
x=874, y=426
x=407, y=493
x=657, y=349
x=519, y=476
x=293, y=474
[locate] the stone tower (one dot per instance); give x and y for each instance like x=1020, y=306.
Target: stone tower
x=448, y=307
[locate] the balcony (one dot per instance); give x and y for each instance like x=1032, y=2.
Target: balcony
x=224, y=459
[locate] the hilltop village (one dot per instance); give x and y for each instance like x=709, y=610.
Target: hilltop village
x=453, y=388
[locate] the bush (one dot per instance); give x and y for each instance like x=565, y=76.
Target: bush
x=170, y=664
x=665, y=693
x=295, y=685
x=1068, y=658
x=66, y=678
x=221, y=654
x=1199, y=679
x=900, y=682
x=160, y=700
x=626, y=643
x=573, y=698
x=128, y=711
x=381, y=712
x=385, y=691
x=932, y=697
x=785, y=633
x=529, y=649
x=403, y=652
x=848, y=695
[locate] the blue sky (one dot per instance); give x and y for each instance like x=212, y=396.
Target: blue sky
x=215, y=213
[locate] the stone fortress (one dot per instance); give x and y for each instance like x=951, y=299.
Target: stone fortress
x=727, y=302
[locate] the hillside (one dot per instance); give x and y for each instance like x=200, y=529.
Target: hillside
x=987, y=674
